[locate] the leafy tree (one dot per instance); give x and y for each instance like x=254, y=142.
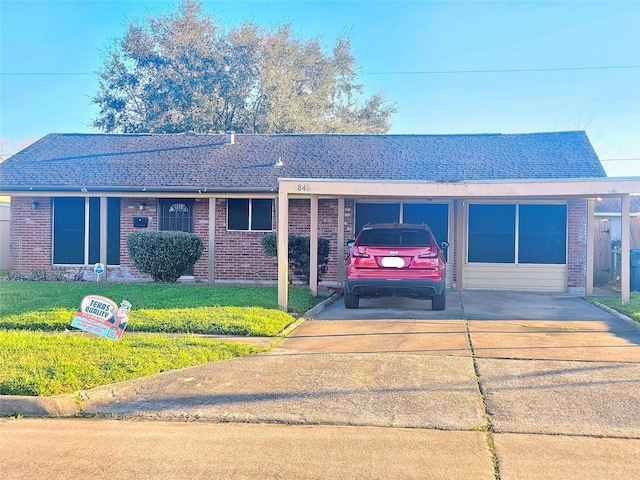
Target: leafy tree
x=184, y=72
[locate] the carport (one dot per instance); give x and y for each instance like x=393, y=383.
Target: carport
x=459, y=194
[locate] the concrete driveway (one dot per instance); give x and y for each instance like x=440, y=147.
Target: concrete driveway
x=471, y=305
x=542, y=386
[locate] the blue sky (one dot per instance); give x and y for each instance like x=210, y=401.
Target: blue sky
x=410, y=50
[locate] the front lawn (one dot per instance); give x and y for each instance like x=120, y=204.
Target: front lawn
x=250, y=321
x=631, y=310
x=21, y=297
x=41, y=364
x=37, y=358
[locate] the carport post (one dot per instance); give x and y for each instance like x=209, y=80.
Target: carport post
x=461, y=244
x=340, y=240
x=313, y=246
x=103, y=237
x=590, y=244
x=625, y=246
x=211, y=271
x=283, y=248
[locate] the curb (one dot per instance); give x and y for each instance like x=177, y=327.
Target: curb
x=322, y=305
x=63, y=405
x=619, y=315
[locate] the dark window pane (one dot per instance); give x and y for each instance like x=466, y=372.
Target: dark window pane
x=370, y=213
x=492, y=233
x=176, y=215
x=68, y=231
x=94, y=230
x=113, y=231
x=238, y=214
x=542, y=234
x=261, y=214
x=436, y=215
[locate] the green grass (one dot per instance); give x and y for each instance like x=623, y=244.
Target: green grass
x=41, y=364
x=631, y=310
x=251, y=321
x=38, y=363
x=21, y=297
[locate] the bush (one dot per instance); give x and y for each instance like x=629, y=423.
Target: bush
x=299, y=258
x=164, y=255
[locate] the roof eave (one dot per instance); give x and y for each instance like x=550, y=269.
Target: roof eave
x=41, y=189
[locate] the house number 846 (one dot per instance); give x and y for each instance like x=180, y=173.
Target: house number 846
x=303, y=187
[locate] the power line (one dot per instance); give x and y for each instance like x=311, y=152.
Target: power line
x=514, y=70
x=417, y=72
x=43, y=74
x=620, y=159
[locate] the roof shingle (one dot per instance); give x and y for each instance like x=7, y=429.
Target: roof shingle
x=132, y=161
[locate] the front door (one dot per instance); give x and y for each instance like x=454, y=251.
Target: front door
x=176, y=214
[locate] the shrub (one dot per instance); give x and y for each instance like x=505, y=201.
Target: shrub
x=164, y=254
x=299, y=258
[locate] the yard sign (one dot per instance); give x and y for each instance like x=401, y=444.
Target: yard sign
x=102, y=316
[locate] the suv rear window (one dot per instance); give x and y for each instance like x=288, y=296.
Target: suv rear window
x=394, y=237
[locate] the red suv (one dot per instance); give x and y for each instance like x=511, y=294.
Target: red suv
x=397, y=259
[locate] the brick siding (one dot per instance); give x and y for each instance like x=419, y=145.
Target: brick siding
x=577, y=248
x=30, y=244
x=238, y=254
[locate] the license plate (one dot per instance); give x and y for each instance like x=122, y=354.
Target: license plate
x=392, y=262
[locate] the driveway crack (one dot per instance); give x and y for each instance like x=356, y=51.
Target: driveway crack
x=488, y=426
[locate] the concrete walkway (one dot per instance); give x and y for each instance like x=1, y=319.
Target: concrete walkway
x=542, y=386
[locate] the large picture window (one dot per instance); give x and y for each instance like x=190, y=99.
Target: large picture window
x=436, y=215
x=523, y=233
x=492, y=233
x=369, y=213
x=76, y=231
x=255, y=214
x=542, y=234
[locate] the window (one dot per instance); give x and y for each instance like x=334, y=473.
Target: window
x=176, y=215
x=370, y=213
x=435, y=215
x=250, y=214
x=76, y=231
x=542, y=234
x=524, y=233
x=492, y=233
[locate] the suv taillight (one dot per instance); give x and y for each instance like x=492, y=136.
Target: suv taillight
x=428, y=253
x=358, y=252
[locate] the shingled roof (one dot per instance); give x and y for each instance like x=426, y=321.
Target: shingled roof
x=154, y=162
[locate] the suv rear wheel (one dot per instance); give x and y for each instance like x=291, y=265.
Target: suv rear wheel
x=439, y=301
x=351, y=300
